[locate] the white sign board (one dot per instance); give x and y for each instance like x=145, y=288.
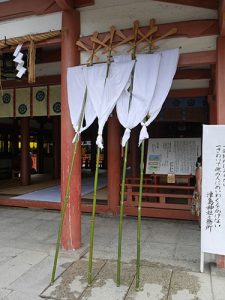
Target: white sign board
x=213, y=190
x=173, y=155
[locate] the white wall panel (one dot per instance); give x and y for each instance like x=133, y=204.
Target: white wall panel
x=122, y=13
x=190, y=84
x=30, y=25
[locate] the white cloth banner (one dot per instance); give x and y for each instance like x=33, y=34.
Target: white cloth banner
x=103, y=92
x=132, y=110
x=213, y=190
x=76, y=88
x=167, y=70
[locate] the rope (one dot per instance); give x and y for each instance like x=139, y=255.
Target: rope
x=29, y=37
x=31, y=63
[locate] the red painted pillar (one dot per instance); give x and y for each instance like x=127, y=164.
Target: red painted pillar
x=56, y=145
x=220, y=104
x=113, y=162
x=220, y=75
x=25, y=148
x=71, y=235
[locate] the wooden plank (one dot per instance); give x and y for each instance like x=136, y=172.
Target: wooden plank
x=189, y=93
x=194, y=28
x=157, y=194
x=210, y=4
x=222, y=17
x=21, y=8
x=30, y=203
x=161, y=213
x=197, y=58
x=193, y=74
x=159, y=205
x=168, y=186
x=43, y=80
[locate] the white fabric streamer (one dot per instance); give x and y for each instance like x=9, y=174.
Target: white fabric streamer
x=167, y=70
x=132, y=112
x=76, y=88
x=103, y=92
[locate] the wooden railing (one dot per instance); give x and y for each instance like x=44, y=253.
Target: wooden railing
x=160, y=196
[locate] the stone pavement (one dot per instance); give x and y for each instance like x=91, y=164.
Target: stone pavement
x=170, y=260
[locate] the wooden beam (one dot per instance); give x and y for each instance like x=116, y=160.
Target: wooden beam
x=210, y=4
x=188, y=93
x=193, y=74
x=43, y=80
x=188, y=29
x=65, y=4
x=197, y=58
x=21, y=8
x=222, y=17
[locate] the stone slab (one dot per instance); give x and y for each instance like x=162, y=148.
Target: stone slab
x=17, y=266
x=4, y=293
x=218, y=282
x=190, y=286
x=154, y=284
x=104, y=285
x=73, y=281
x=36, y=278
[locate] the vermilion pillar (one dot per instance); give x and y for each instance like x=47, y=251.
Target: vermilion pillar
x=56, y=145
x=71, y=235
x=25, y=164
x=220, y=75
x=113, y=162
x=220, y=103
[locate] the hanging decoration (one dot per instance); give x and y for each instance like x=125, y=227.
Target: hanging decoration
x=132, y=90
x=21, y=42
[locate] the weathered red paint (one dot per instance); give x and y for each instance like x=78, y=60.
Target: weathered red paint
x=113, y=144
x=71, y=235
x=24, y=155
x=220, y=75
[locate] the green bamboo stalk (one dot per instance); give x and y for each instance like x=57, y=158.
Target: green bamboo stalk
x=93, y=219
x=139, y=216
x=66, y=198
x=123, y=182
x=92, y=228
x=121, y=214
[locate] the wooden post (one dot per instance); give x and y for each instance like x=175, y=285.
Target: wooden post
x=113, y=162
x=40, y=150
x=71, y=234
x=56, y=146
x=25, y=148
x=220, y=104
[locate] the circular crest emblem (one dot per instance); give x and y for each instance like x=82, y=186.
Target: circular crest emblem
x=40, y=96
x=57, y=107
x=6, y=98
x=22, y=109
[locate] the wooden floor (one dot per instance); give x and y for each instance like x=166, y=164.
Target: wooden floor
x=13, y=187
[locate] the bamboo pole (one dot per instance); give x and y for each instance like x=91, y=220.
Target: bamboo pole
x=93, y=219
x=121, y=215
x=136, y=25
x=66, y=198
x=92, y=227
x=139, y=216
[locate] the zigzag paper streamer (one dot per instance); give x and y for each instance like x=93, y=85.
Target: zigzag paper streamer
x=19, y=60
